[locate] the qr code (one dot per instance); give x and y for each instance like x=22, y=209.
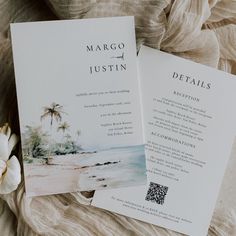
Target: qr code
x=156, y=193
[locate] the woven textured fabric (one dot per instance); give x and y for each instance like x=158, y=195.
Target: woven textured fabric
x=199, y=30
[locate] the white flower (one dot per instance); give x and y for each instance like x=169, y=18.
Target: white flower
x=10, y=171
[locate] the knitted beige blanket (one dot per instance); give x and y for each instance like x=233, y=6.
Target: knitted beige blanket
x=200, y=30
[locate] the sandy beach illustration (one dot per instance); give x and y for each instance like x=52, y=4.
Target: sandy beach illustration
x=56, y=162
x=86, y=171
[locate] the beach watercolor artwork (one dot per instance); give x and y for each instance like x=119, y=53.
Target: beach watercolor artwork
x=112, y=168
x=56, y=162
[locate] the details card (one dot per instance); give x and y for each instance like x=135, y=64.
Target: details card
x=189, y=125
x=79, y=104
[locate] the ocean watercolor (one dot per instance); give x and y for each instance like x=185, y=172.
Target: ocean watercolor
x=87, y=170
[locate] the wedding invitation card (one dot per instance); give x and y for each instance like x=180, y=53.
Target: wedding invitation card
x=189, y=125
x=79, y=104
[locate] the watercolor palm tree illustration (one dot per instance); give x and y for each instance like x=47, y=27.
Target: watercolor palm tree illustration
x=54, y=112
x=41, y=146
x=63, y=127
x=35, y=142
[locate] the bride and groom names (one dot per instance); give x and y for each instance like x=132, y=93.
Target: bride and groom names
x=111, y=67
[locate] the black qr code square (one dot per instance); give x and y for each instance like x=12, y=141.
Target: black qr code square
x=156, y=193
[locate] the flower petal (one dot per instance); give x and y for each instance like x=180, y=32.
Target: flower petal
x=3, y=128
x=12, y=143
x=3, y=167
x=12, y=177
x=6, y=130
x=3, y=147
